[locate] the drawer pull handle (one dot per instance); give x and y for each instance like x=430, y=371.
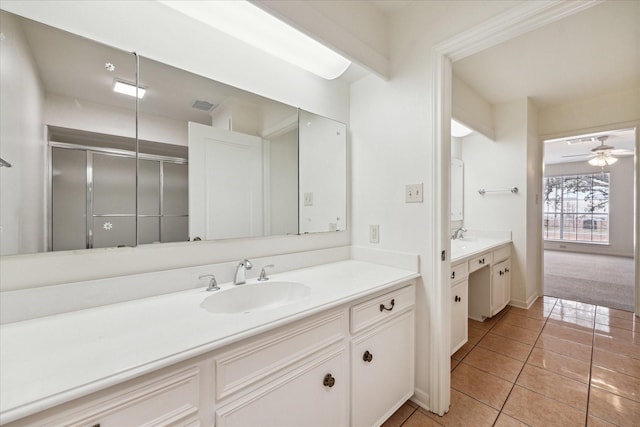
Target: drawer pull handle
x=329, y=381
x=383, y=308
x=367, y=357
x=481, y=261
x=453, y=274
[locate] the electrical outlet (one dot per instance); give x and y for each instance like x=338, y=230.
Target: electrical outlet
x=308, y=199
x=413, y=193
x=374, y=233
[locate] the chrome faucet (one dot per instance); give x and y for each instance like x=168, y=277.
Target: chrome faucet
x=213, y=285
x=241, y=269
x=458, y=233
x=263, y=274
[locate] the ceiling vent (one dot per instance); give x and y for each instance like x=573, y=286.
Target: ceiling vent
x=203, y=105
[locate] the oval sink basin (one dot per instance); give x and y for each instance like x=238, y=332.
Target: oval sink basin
x=255, y=297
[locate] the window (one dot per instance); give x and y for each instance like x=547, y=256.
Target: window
x=576, y=208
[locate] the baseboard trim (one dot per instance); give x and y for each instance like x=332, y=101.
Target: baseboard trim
x=524, y=304
x=421, y=399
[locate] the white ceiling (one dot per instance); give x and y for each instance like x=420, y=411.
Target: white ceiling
x=73, y=66
x=585, y=55
x=561, y=151
x=390, y=7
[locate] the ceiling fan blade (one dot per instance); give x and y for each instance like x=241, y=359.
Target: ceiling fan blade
x=622, y=153
x=579, y=155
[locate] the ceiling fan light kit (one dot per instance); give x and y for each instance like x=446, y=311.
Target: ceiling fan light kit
x=603, y=154
x=602, y=159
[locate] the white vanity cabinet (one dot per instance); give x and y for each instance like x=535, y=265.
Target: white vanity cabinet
x=350, y=365
x=170, y=397
x=459, y=305
x=501, y=286
x=297, y=375
x=489, y=283
x=382, y=356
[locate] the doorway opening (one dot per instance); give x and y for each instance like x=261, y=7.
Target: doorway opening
x=588, y=218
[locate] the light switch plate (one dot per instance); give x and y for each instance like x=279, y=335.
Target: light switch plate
x=413, y=193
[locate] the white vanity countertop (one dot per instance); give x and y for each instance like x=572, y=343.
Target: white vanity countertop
x=54, y=359
x=467, y=247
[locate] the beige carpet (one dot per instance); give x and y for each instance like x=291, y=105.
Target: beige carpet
x=594, y=279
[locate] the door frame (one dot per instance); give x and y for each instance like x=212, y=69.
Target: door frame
x=519, y=20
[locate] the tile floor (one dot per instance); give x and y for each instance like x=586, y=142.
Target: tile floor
x=560, y=363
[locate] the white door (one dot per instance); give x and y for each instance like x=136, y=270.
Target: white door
x=459, y=315
x=382, y=370
x=225, y=184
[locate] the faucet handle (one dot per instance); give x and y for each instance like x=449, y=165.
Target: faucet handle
x=247, y=264
x=263, y=274
x=213, y=284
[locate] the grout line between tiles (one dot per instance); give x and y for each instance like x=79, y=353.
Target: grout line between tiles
x=524, y=364
x=593, y=346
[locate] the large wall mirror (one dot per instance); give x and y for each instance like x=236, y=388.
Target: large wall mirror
x=194, y=160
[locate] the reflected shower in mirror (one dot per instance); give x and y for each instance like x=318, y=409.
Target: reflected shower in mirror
x=73, y=186
x=55, y=80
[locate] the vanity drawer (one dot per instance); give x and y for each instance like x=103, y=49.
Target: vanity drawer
x=459, y=272
x=171, y=399
x=246, y=367
x=380, y=308
x=501, y=253
x=479, y=261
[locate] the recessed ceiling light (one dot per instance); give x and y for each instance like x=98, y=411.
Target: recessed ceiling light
x=254, y=26
x=128, y=89
x=459, y=130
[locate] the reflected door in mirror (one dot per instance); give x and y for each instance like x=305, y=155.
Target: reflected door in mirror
x=225, y=184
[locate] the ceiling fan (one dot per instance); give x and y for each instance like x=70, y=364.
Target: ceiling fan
x=602, y=155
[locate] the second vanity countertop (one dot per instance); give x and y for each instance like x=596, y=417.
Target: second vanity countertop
x=467, y=247
x=52, y=360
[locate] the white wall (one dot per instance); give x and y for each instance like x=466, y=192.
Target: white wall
x=583, y=114
x=621, y=218
x=21, y=144
x=499, y=165
x=392, y=143
x=471, y=109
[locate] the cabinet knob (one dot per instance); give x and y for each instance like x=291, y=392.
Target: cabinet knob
x=367, y=357
x=457, y=298
x=383, y=307
x=329, y=381
x=501, y=272
x=453, y=274
x=506, y=270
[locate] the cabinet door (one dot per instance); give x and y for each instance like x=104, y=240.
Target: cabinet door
x=382, y=363
x=459, y=315
x=501, y=286
x=314, y=395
